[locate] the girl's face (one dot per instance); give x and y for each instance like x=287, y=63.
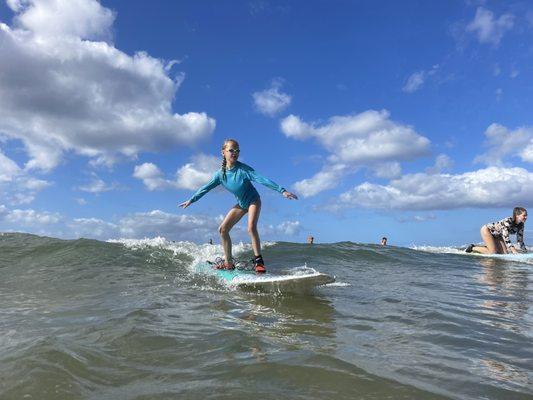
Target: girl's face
x=231, y=152
x=521, y=218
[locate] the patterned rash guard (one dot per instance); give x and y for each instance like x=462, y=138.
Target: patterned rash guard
x=505, y=227
x=238, y=181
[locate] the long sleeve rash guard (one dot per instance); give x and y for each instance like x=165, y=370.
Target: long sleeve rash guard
x=238, y=181
x=505, y=227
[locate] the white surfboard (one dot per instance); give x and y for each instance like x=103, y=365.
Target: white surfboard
x=520, y=257
x=282, y=283
x=299, y=280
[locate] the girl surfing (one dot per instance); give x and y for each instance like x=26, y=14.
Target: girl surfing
x=496, y=235
x=236, y=177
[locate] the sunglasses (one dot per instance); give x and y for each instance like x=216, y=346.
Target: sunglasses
x=234, y=151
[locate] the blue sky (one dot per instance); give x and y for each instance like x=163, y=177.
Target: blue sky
x=410, y=120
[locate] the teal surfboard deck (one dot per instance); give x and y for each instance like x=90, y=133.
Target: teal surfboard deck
x=299, y=282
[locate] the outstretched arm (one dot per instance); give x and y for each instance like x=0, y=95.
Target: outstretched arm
x=289, y=195
x=507, y=240
x=520, y=239
x=213, y=183
x=185, y=204
x=256, y=177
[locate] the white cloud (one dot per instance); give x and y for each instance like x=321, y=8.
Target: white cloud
x=190, y=176
x=417, y=218
x=16, y=186
x=414, y=82
x=176, y=227
x=503, y=142
x=135, y=226
x=140, y=225
x=151, y=176
x=368, y=139
x=198, y=172
x=93, y=228
x=8, y=168
x=271, y=101
x=15, y=5
x=489, y=29
x=442, y=163
x=35, y=184
x=29, y=217
x=285, y=228
x=289, y=228
x=490, y=187
x=527, y=153
x=97, y=185
x=31, y=221
x=85, y=19
x=417, y=79
x=61, y=93
x=388, y=170
x=326, y=179
x=361, y=139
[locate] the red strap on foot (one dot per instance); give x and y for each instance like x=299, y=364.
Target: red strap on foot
x=225, y=266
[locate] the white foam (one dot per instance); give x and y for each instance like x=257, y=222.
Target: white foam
x=339, y=284
x=450, y=249
x=302, y=270
x=437, y=249
x=270, y=278
x=520, y=257
x=198, y=252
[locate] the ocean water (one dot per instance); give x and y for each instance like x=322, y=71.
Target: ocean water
x=84, y=319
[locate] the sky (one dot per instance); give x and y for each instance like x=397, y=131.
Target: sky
x=411, y=120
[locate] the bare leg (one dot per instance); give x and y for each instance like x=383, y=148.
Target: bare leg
x=502, y=248
x=234, y=215
x=253, y=216
x=490, y=243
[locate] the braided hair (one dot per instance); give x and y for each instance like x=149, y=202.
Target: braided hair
x=224, y=162
x=223, y=168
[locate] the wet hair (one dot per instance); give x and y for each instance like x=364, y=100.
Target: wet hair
x=383, y=238
x=224, y=158
x=518, y=211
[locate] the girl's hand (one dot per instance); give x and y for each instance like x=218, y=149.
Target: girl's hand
x=289, y=195
x=185, y=204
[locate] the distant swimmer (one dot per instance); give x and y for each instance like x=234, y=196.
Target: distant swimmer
x=496, y=235
x=310, y=239
x=383, y=241
x=236, y=177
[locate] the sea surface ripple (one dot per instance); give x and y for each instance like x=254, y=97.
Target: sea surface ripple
x=83, y=319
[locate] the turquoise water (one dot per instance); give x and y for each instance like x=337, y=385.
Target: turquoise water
x=94, y=320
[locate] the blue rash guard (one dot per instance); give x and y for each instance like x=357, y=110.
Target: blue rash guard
x=238, y=181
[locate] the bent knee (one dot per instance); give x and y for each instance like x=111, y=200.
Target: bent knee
x=252, y=230
x=223, y=229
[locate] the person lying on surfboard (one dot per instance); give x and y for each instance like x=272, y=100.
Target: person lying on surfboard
x=496, y=235
x=236, y=177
